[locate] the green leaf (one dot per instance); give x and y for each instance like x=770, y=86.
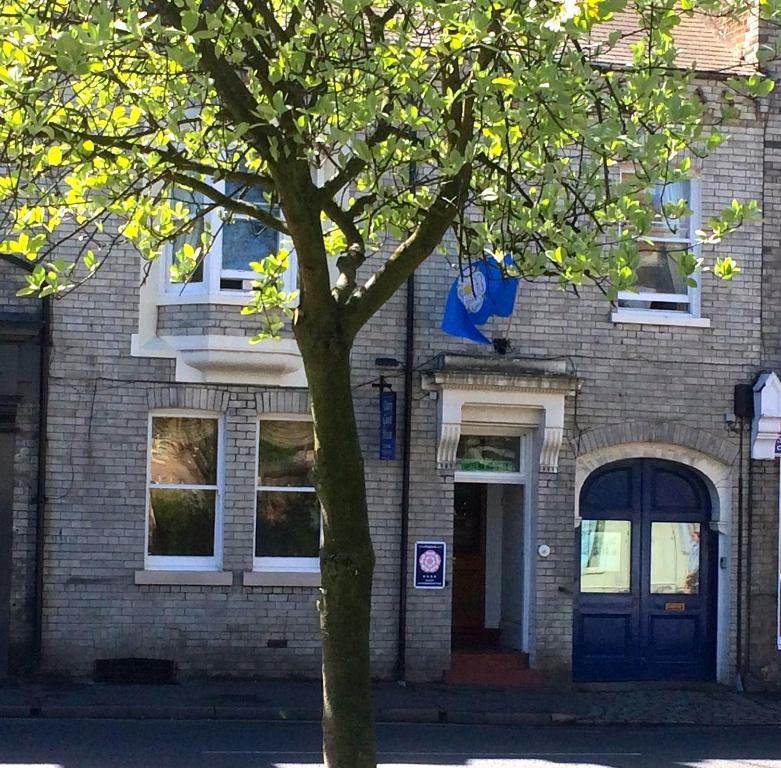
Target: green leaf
x=54, y=155
x=189, y=21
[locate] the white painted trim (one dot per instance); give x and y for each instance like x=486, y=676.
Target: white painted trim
x=530, y=514
x=498, y=401
x=658, y=317
x=766, y=425
x=281, y=416
x=213, y=358
x=490, y=478
x=718, y=477
x=220, y=359
x=181, y=562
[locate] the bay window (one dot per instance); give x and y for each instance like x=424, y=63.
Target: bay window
x=224, y=272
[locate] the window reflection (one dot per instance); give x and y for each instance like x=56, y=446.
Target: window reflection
x=184, y=450
x=675, y=558
x=489, y=453
x=605, y=555
x=288, y=524
x=287, y=453
x=288, y=510
x=181, y=522
x=183, y=504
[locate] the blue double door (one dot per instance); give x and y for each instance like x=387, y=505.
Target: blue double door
x=647, y=566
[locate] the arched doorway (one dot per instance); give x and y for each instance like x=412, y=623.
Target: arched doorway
x=646, y=565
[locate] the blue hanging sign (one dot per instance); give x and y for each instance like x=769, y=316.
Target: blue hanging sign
x=387, y=425
x=430, y=565
x=778, y=445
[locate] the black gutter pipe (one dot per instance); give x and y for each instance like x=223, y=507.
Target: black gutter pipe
x=739, y=585
x=409, y=359
x=40, y=502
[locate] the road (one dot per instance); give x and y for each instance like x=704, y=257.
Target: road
x=42, y=743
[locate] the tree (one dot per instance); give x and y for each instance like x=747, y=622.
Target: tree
x=374, y=129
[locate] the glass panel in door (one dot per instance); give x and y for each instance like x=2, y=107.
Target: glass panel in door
x=675, y=558
x=605, y=556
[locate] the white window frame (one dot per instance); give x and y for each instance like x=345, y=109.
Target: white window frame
x=281, y=564
x=187, y=562
x=209, y=291
x=691, y=316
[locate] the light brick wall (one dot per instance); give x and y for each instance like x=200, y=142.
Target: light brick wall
x=98, y=429
x=762, y=517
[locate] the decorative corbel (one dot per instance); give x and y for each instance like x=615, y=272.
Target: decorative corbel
x=766, y=427
x=551, y=445
x=449, y=435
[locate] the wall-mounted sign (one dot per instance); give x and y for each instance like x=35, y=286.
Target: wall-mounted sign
x=387, y=425
x=778, y=445
x=430, y=565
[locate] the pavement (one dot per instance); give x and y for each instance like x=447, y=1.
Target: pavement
x=283, y=700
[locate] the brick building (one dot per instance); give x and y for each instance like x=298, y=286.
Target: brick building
x=590, y=479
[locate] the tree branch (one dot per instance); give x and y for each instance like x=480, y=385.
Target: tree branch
x=230, y=203
x=354, y=165
x=22, y=264
x=409, y=255
x=235, y=95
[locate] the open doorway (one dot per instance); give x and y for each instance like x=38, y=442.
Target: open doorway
x=488, y=567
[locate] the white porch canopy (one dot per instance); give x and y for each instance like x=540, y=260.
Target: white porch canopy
x=500, y=394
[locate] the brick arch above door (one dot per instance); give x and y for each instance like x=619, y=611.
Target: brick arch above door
x=717, y=471
x=716, y=466
x=672, y=433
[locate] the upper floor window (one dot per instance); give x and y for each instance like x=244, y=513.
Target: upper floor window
x=662, y=287
x=287, y=527
x=184, y=510
x=237, y=240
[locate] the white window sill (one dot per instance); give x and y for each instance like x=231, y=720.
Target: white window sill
x=224, y=298
x=655, y=317
x=282, y=578
x=239, y=298
x=186, y=578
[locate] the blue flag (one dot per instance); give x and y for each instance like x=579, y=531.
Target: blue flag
x=479, y=292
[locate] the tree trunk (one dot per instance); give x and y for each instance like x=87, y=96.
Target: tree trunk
x=347, y=557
